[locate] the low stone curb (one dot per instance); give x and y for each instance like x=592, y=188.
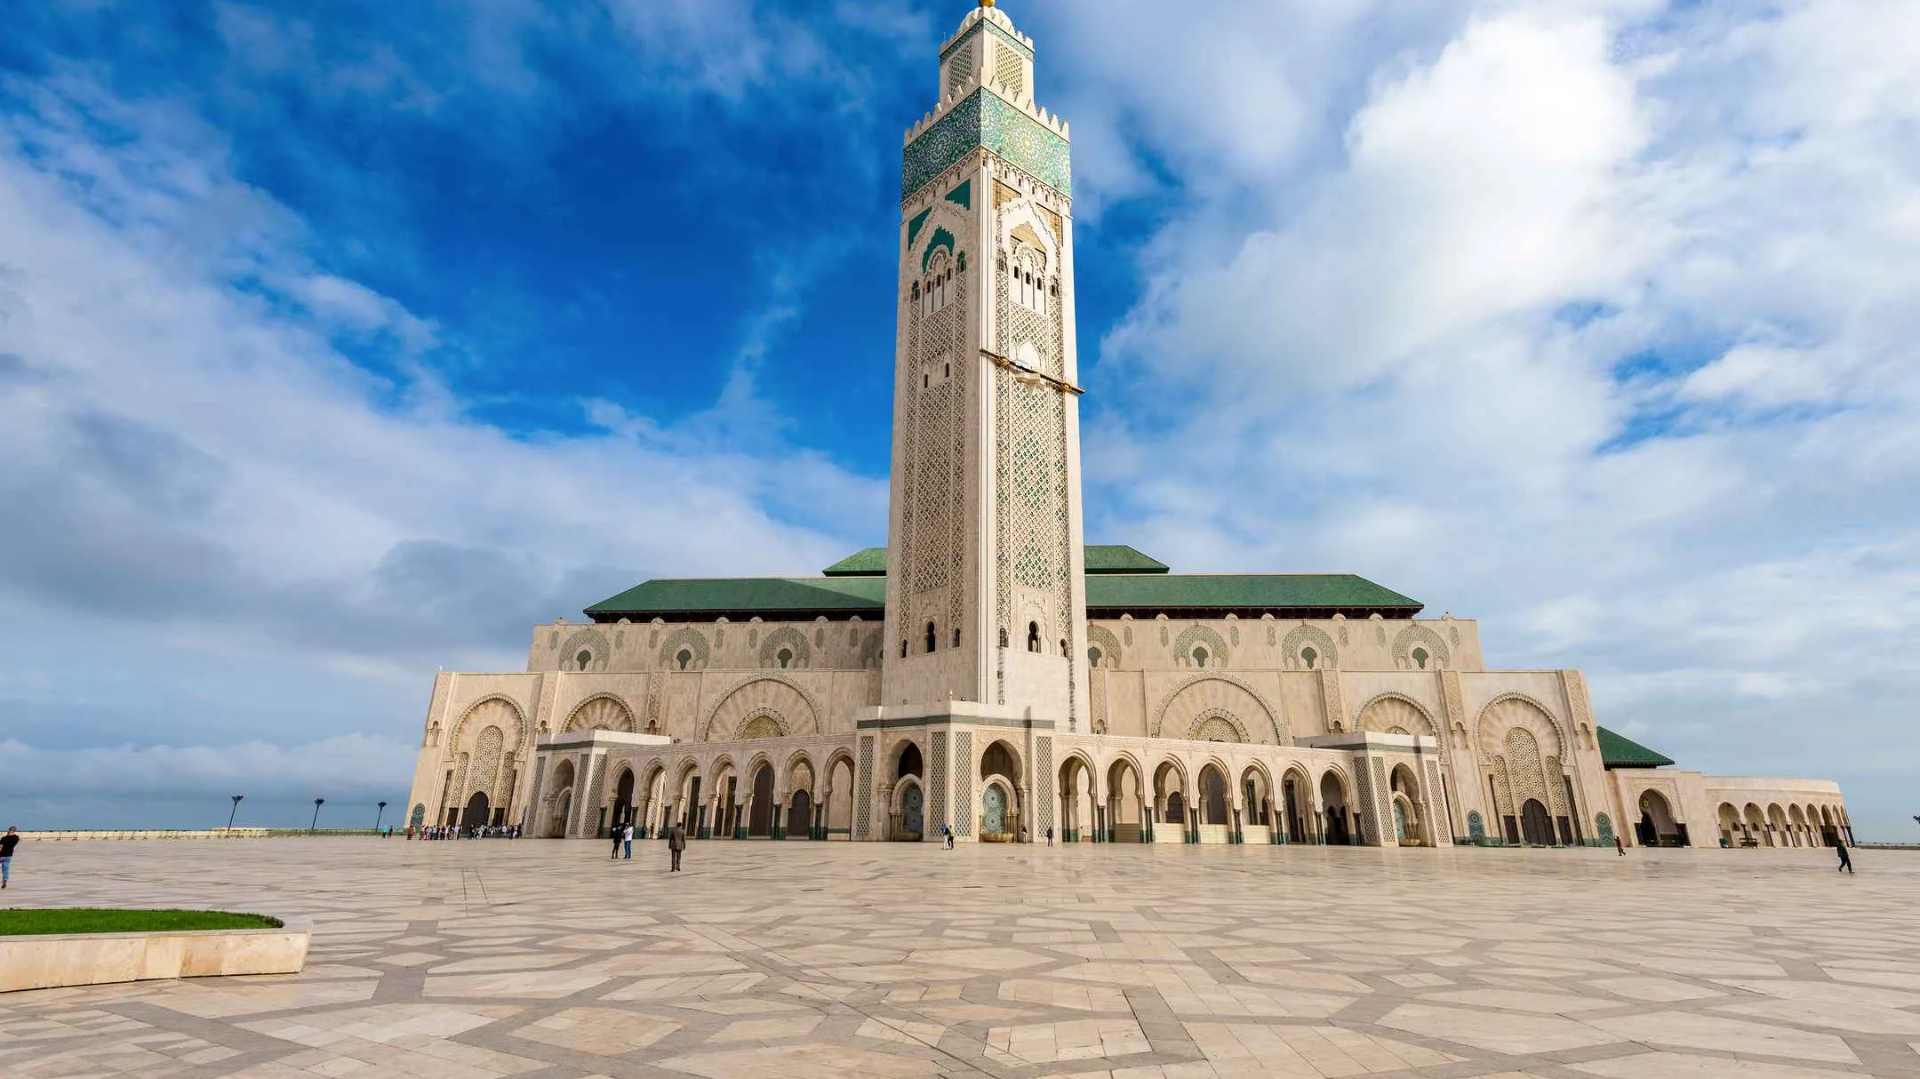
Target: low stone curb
x=50, y=961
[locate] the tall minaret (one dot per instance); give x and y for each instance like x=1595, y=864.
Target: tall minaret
x=986, y=601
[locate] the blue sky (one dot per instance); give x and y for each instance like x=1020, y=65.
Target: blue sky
x=341, y=343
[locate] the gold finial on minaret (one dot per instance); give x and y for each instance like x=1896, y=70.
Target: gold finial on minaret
x=986, y=3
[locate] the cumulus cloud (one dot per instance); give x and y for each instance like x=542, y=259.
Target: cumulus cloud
x=346, y=766
x=199, y=445
x=1597, y=319
x=1594, y=320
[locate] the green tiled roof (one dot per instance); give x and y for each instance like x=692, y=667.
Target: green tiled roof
x=805, y=596
x=1101, y=558
x=1119, y=558
x=1109, y=595
x=871, y=562
x=1619, y=751
x=1343, y=592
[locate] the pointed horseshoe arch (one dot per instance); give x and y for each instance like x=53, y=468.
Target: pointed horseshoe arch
x=1388, y=710
x=516, y=735
x=1225, y=693
x=762, y=696
x=1498, y=715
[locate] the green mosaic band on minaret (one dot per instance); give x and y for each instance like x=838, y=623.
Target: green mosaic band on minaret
x=987, y=120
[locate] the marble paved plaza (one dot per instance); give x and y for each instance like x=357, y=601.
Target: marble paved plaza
x=541, y=960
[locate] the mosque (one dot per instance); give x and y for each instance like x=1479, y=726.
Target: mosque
x=991, y=673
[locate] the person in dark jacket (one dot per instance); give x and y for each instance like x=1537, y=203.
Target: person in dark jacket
x=1846, y=860
x=7, y=843
x=676, y=842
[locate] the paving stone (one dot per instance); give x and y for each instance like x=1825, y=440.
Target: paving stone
x=1102, y=962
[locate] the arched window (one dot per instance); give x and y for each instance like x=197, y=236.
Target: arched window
x=903, y=648
x=1093, y=656
x=1003, y=636
x=939, y=275
x=1065, y=652
x=784, y=656
x=1029, y=277
x=1199, y=656
x=1033, y=636
x=583, y=659
x=1420, y=658
x=685, y=657
x=956, y=637
x=932, y=639
x=1309, y=656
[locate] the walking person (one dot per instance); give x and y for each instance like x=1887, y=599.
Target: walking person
x=1049, y=835
x=676, y=842
x=616, y=831
x=946, y=835
x=1846, y=860
x=1620, y=844
x=626, y=835
x=7, y=843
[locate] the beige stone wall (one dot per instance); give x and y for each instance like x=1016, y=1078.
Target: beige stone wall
x=691, y=706
x=657, y=646
x=1375, y=644
x=1503, y=738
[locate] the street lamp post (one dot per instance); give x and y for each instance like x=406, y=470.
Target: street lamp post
x=380, y=816
x=236, y=811
x=317, y=803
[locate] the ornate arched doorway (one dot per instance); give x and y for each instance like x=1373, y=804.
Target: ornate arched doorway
x=1296, y=808
x=800, y=815
x=993, y=818
x=1126, y=803
x=622, y=800
x=1408, y=828
x=1536, y=826
x=913, y=811
x=1656, y=827
x=1333, y=795
x=760, y=815
x=476, y=813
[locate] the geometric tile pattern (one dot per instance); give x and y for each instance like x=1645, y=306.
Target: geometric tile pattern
x=476, y=960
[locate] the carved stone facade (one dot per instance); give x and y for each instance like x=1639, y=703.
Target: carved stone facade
x=984, y=674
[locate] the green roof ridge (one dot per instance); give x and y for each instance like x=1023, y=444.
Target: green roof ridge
x=1619, y=751
x=866, y=562
x=854, y=589
x=1100, y=558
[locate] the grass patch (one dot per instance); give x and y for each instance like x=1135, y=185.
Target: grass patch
x=100, y=920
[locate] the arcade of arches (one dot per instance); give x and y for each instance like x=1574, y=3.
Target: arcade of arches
x=992, y=675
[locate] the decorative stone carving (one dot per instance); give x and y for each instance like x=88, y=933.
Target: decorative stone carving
x=1414, y=640
x=1302, y=638
x=1226, y=694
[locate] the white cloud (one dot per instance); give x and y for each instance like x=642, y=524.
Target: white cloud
x=196, y=457
x=345, y=764
x=1597, y=322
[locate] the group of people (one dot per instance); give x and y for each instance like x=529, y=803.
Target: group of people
x=623, y=844
x=454, y=831
x=946, y=835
